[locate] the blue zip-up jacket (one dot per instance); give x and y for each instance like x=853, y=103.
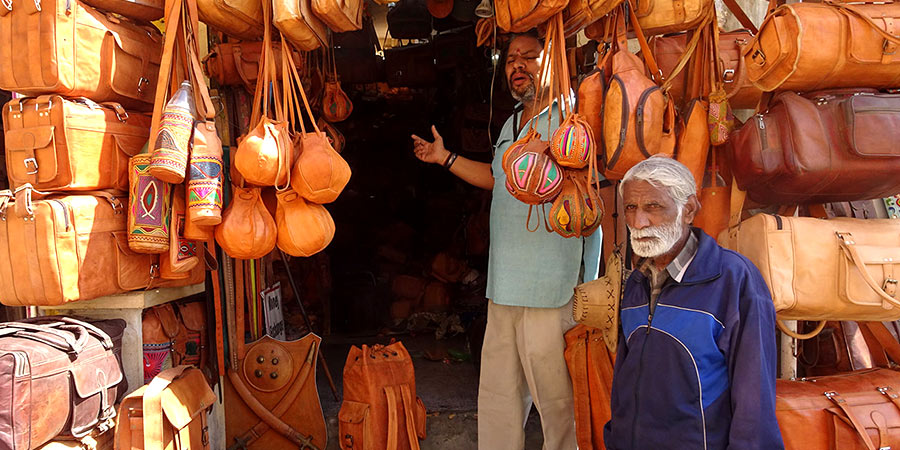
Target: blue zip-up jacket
x=699, y=374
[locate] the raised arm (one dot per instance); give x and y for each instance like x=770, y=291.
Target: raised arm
x=475, y=173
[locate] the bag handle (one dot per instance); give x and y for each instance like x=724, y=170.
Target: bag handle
x=408, y=402
x=60, y=340
x=849, y=246
x=842, y=404
x=152, y=406
x=173, y=17
x=885, y=339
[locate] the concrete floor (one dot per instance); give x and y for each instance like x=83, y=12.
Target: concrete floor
x=449, y=390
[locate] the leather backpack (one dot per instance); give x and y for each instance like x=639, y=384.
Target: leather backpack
x=380, y=408
x=247, y=230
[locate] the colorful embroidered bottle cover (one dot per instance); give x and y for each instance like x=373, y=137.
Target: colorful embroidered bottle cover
x=205, y=177
x=170, y=150
x=149, y=208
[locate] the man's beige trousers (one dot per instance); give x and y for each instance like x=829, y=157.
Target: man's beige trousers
x=522, y=361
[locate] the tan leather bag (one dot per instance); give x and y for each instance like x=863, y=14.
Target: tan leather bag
x=298, y=24
x=336, y=105
x=671, y=16
x=40, y=263
x=242, y=19
x=55, y=143
x=159, y=329
x=147, y=10
x=518, y=16
x=809, y=46
x=339, y=15
x=247, y=230
x=590, y=366
x=167, y=414
x=304, y=228
x=237, y=63
x=110, y=60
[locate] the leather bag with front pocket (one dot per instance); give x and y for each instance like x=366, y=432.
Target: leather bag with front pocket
x=810, y=46
x=237, y=63
x=77, y=51
x=380, y=408
x=828, y=146
x=54, y=143
x=168, y=413
x=858, y=410
x=60, y=375
x=63, y=248
x=816, y=269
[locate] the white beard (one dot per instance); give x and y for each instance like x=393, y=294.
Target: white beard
x=665, y=237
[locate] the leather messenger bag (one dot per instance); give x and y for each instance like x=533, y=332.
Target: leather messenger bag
x=66, y=47
x=828, y=146
x=63, y=248
x=58, y=375
x=55, y=143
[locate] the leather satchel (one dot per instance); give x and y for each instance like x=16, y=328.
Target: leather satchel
x=856, y=410
x=147, y=10
x=242, y=19
x=54, y=143
x=519, y=16
x=671, y=16
x=111, y=60
x=590, y=365
x=298, y=24
x=237, y=63
x=810, y=46
x=827, y=146
x=167, y=414
x=61, y=376
x=380, y=408
x=173, y=335
x=41, y=265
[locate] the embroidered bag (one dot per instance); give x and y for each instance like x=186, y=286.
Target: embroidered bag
x=149, y=207
x=578, y=209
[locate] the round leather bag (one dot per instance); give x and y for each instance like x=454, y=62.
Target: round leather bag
x=572, y=144
x=336, y=106
x=320, y=173
x=532, y=176
x=247, y=230
x=263, y=155
x=577, y=210
x=304, y=228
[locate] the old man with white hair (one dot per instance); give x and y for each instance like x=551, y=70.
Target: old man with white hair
x=696, y=361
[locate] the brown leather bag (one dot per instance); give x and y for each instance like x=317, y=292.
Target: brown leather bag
x=123, y=57
x=40, y=263
x=671, y=16
x=62, y=376
x=380, y=408
x=809, y=46
x=55, y=143
x=167, y=414
x=339, y=15
x=159, y=329
x=518, y=16
x=247, y=230
x=824, y=146
x=242, y=19
x=304, y=228
x=857, y=410
x=590, y=365
x=237, y=63
x=715, y=197
x=298, y=24
x=147, y=10
x=336, y=105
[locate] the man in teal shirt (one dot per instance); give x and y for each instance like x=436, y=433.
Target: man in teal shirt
x=530, y=280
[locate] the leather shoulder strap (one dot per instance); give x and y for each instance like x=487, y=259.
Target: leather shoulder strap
x=152, y=406
x=391, y=395
x=884, y=337
x=408, y=408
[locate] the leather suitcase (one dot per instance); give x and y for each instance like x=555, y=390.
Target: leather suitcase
x=828, y=146
x=59, y=376
x=66, y=47
x=55, y=143
x=856, y=410
x=64, y=248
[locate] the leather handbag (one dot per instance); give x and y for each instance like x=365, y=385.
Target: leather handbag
x=168, y=413
x=671, y=16
x=247, y=230
x=54, y=143
x=715, y=198
x=827, y=146
x=183, y=254
x=42, y=230
x=304, y=228
x=693, y=146
x=62, y=376
x=590, y=365
x=590, y=94
x=519, y=16
x=380, y=408
x=159, y=330
x=638, y=122
x=147, y=10
x=298, y=24
x=339, y=15
x=123, y=56
x=856, y=410
x=810, y=46
x=237, y=63
x=242, y=19
x=149, y=208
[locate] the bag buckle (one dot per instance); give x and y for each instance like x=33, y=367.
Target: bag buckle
x=141, y=83
x=728, y=75
x=884, y=48
x=890, y=287
x=32, y=162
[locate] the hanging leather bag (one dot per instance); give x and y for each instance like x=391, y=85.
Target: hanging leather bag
x=714, y=196
x=519, y=16
x=149, y=208
x=111, y=60
x=380, y=408
x=638, y=122
x=577, y=210
x=671, y=16
x=828, y=146
x=339, y=15
x=54, y=143
x=810, y=46
x=147, y=10
x=247, y=230
x=168, y=413
x=298, y=24
x=237, y=63
x=242, y=19
x=590, y=366
x=159, y=330
x=336, y=105
x=304, y=228
x=183, y=254
x=62, y=376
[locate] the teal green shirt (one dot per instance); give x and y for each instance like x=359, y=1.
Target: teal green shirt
x=537, y=269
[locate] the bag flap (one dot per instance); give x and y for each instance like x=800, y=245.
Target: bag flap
x=100, y=371
x=168, y=319
x=129, y=145
x=193, y=315
x=134, y=269
x=186, y=397
x=873, y=125
x=29, y=138
x=30, y=150
x=353, y=412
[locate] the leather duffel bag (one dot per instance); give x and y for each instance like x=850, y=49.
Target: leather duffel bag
x=856, y=410
x=671, y=16
x=298, y=24
x=519, y=16
x=55, y=143
x=64, y=248
x=742, y=94
x=60, y=376
x=809, y=46
x=828, y=146
x=168, y=413
x=82, y=53
x=242, y=19
x=136, y=9
x=237, y=63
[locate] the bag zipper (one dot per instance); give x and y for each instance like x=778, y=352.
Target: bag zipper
x=639, y=120
x=761, y=131
x=64, y=209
